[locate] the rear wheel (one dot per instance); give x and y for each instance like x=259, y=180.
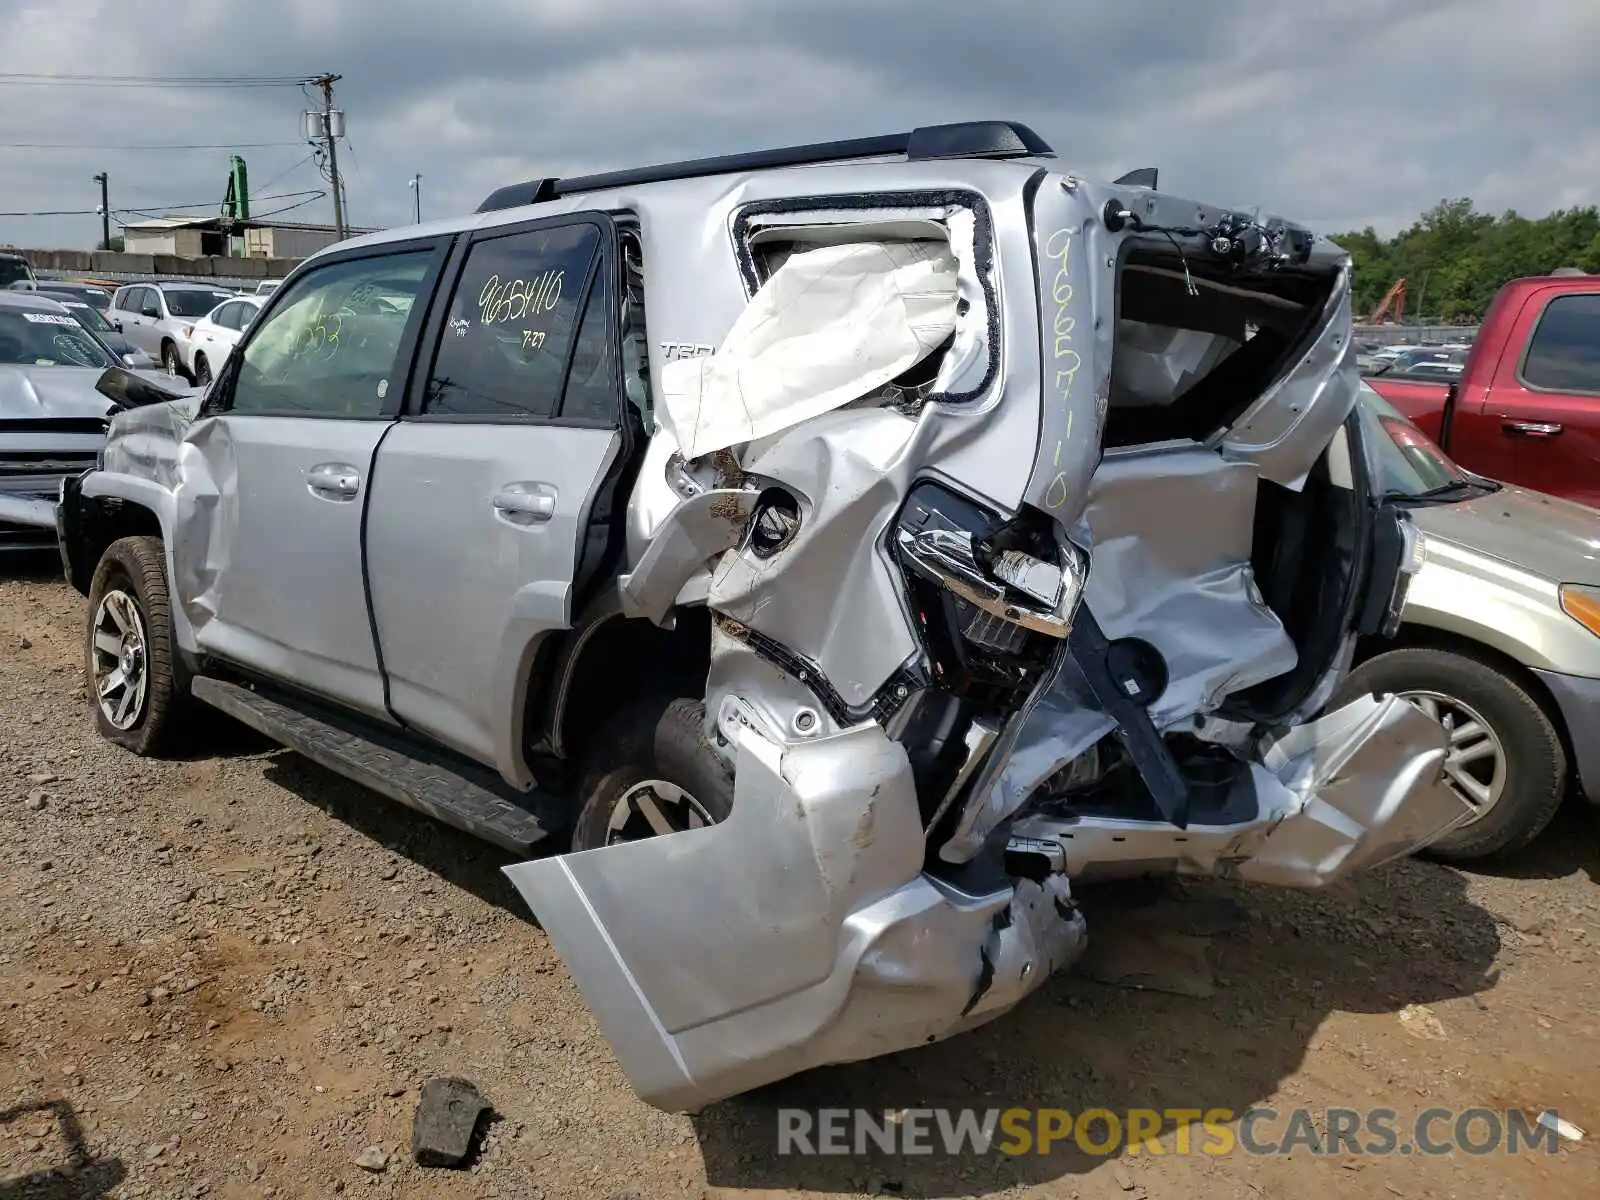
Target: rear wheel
x=651, y=772
x=137, y=686
x=1505, y=756
x=202, y=370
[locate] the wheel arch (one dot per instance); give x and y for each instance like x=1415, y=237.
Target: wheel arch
x=608, y=653
x=92, y=523
x=102, y=506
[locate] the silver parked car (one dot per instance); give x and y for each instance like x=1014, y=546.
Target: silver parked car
x=1499, y=641
x=783, y=529
x=152, y=316
x=52, y=419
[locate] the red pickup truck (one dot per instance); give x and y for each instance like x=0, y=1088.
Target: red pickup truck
x=1526, y=408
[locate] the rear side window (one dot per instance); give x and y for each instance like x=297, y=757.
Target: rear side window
x=517, y=343
x=1564, y=353
x=329, y=348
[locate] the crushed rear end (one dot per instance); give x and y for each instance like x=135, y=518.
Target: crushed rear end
x=950, y=690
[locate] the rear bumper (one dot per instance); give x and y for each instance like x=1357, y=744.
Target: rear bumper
x=1578, y=698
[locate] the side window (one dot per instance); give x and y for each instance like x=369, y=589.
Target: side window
x=227, y=316
x=329, y=349
x=1564, y=353
x=515, y=321
x=151, y=303
x=132, y=300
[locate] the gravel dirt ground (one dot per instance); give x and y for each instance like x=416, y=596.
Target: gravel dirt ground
x=229, y=976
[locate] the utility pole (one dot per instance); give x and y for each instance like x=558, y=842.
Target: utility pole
x=105, y=211
x=330, y=129
x=416, y=198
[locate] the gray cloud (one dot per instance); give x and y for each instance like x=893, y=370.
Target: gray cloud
x=1365, y=115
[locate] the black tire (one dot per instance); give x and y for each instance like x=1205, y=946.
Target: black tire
x=202, y=370
x=135, y=568
x=170, y=363
x=1535, y=760
x=657, y=739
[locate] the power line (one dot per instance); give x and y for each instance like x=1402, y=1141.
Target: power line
x=286, y=171
x=41, y=79
x=187, y=146
x=310, y=194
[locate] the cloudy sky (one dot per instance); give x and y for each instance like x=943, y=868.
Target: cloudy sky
x=1365, y=116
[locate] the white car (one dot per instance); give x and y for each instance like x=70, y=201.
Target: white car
x=203, y=346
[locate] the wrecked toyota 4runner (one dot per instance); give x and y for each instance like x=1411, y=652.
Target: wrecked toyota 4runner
x=961, y=530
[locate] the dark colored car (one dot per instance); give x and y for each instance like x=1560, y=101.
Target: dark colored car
x=90, y=317
x=97, y=297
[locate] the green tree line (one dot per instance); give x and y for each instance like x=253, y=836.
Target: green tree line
x=1455, y=258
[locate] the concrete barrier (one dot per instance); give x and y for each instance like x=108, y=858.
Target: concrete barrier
x=109, y=264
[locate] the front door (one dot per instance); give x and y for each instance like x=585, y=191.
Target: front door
x=1538, y=424
x=483, y=502
x=268, y=549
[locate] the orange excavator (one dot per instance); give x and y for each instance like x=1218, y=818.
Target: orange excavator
x=1394, y=299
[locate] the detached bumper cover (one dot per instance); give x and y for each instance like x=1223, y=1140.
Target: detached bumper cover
x=1578, y=698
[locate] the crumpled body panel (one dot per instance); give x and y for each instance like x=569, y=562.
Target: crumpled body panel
x=850, y=951
x=1172, y=537
x=1352, y=790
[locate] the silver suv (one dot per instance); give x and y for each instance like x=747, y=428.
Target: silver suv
x=841, y=550
x=157, y=317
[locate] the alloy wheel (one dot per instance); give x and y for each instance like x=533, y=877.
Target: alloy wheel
x=1475, y=761
x=653, y=807
x=121, y=659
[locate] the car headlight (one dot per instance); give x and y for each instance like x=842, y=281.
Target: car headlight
x=1582, y=604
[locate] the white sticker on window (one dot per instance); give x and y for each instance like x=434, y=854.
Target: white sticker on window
x=383, y=388
x=47, y=319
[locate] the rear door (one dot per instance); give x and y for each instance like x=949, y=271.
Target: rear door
x=277, y=473
x=130, y=314
x=483, y=510
x=1539, y=423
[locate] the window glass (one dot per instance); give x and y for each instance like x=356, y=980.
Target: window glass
x=150, y=303
x=330, y=348
x=1564, y=355
x=227, y=316
x=188, y=302
x=33, y=338
x=505, y=343
x=592, y=383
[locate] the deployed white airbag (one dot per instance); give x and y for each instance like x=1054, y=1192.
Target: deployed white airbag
x=830, y=326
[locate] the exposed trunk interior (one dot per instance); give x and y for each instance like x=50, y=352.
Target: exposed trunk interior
x=1241, y=585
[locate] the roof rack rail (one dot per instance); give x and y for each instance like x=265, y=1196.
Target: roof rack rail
x=968, y=139
x=515, y=195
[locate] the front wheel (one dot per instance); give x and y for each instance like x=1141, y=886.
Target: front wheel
x=202, y=370
x=137, y=685
x=169, y=359
x=651, y=772
x=1505, y=757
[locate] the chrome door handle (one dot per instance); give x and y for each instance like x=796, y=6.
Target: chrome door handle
x=1531, y=428
x=334, y=481
x=526, y=503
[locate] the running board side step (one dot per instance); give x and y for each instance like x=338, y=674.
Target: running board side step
x=471, y=800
